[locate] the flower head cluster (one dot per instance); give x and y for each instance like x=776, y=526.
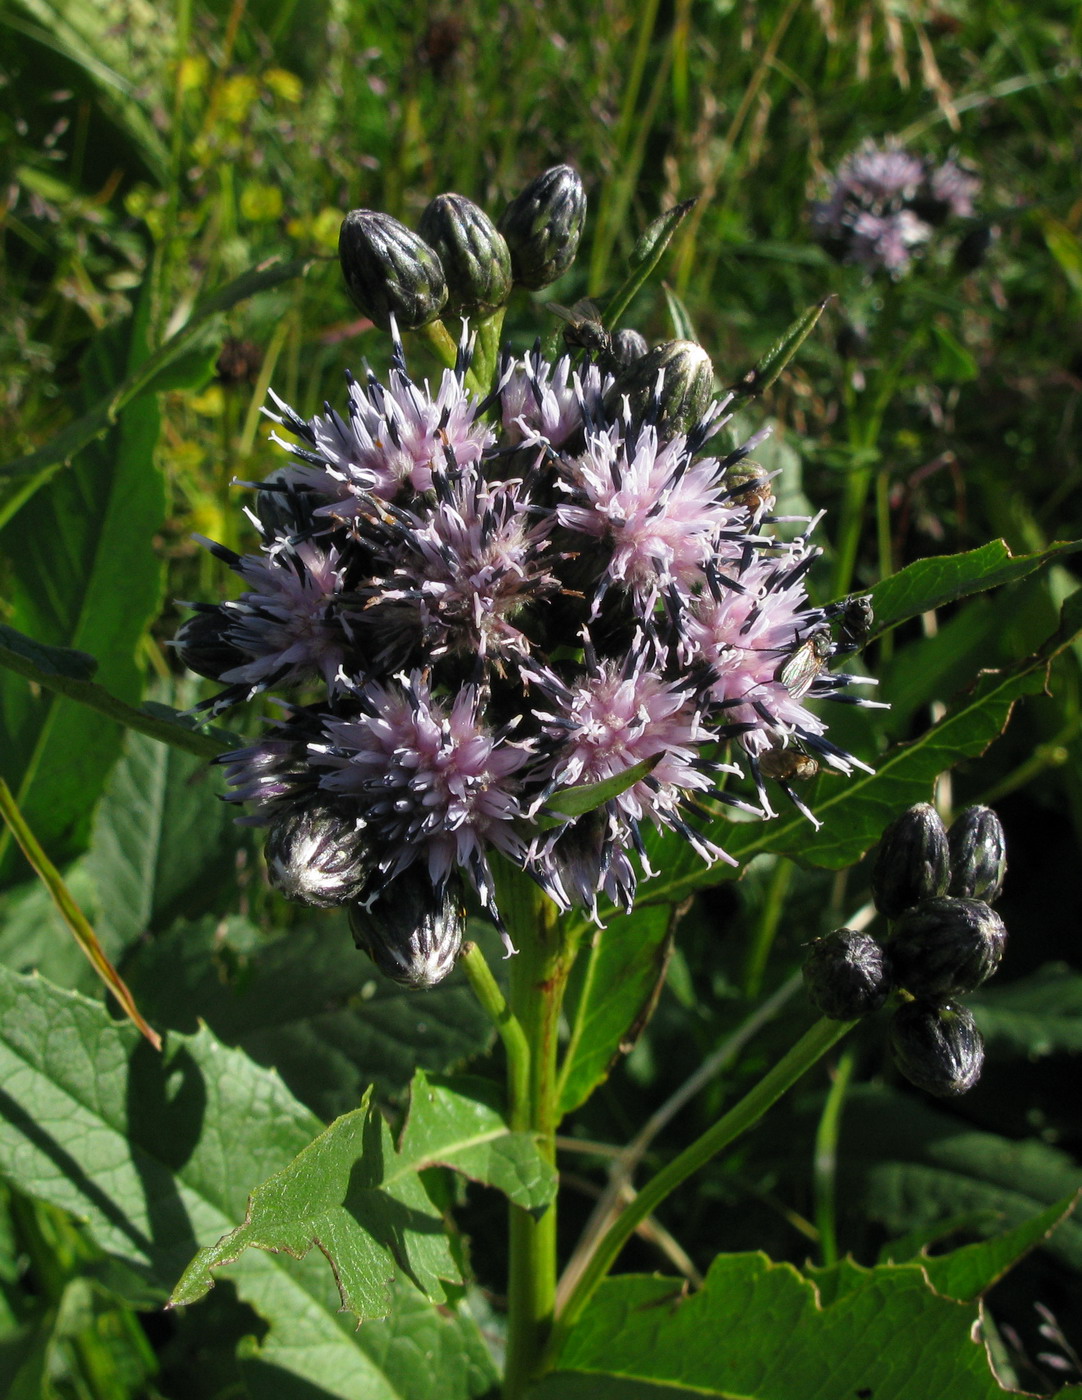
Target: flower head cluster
x=886, y=203
x=530, y=625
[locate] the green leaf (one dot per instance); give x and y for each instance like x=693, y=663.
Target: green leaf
x=84, y=574
x=856, y=809
x=911, y=1166
x=575, y=801
x=68, y=673
x=953, y=363
x=363, y=1204
x=609, y=998
x=646, y=255
x=761, y=1331
x=969, y=1272
x=156, y=1152
x=1038, y=1015
x=766, y=371
x=307, y=1004
x=177, y=363
x=932, y=583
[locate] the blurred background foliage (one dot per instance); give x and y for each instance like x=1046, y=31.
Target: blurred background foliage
x=149, y=155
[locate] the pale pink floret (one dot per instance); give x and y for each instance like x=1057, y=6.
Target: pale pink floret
x=543, y=402
x=432, y=781
x=287, y=621
x=659, y=514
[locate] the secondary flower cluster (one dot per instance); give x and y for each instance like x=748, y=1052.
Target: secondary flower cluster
x=885, y=205
x=937, y=888
x=471, y=603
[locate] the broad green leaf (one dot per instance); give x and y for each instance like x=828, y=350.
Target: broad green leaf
x=855, y=810
x=157, y=1153
x=363, y=1205
x=909, y=1165
x=308, y=1004
x=1038, y=1015
x=68, y=673
x=760, y=1331
x=84, y=575
x=970, y=1271
x=610, y=996
x=163, y=846
x=932, y=583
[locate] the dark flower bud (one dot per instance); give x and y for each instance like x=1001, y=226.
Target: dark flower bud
x=847, y=975
x=978, y=855
x=473, y=254
x=543, y=225
x=316, y=854
x=973, y=248
x=937, y=1048
x=203, y=645
x=671, y=386
x=283, y=506
x=390, y=271
x=913, y=861
x=942, y=947
x=628, y=346
x=412, y=932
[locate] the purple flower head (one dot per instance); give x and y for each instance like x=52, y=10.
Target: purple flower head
x=879, y=176
x=468, y=565
x=273, y=775
x=288, y=624
x=392, y=441
x=886, y=240
x=546, y=403
x=431, y=781
x=656, y=510
x=954, y=188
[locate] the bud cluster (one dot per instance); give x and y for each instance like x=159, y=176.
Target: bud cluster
x=467, y=604
x=459, y=262
x=886, y=204
x=936, y=888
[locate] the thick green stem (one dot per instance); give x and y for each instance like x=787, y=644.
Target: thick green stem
x=744, y=1115
x=538, y=977
x=487, y=991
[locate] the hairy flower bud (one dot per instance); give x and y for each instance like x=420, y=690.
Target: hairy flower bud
x=945, y=946
x=203, y=645
x=628, y=346
x=316, y=854
x=390, y=271
x=412, y=932
x=543, y=225
x=473, y=253
x=847, y=975
x=913, y=861
x=937, y=1047
x=672, y=386
x=978, y=855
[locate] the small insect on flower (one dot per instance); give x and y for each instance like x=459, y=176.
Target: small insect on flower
x=797, y=672
x=785, y=763
x=584, y=329
x=854, y=623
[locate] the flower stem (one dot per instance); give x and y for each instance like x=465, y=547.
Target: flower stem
x=538, y=977
x=739, y=1119
x=487, y=991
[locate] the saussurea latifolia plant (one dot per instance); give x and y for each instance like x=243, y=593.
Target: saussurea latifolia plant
x=515, y=621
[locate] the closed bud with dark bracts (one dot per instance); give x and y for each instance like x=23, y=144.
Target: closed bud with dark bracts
x=847, y=975
x=937, y=1047
x=203, y=645
x=410, y=930
x=543, y=225
x=945, y=946
x=978, y=855
x=316, y=854
x=628, y=346
x=913, y=861
x=473, y=253
x=671, y=386
x=389, y=271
